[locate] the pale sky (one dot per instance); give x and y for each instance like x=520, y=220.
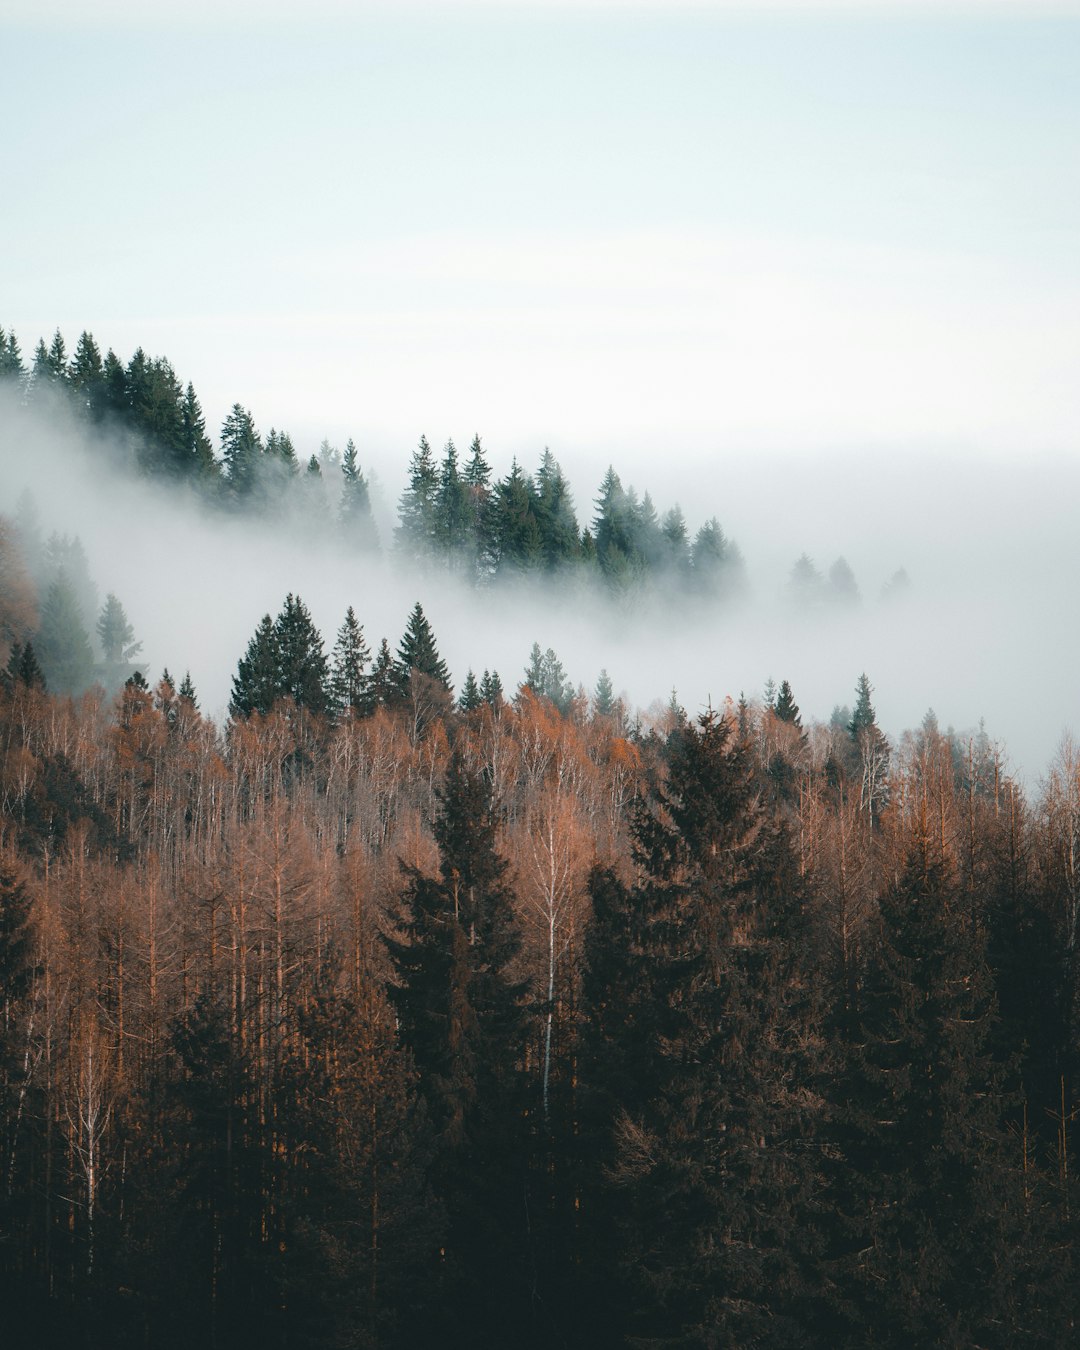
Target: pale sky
x=599, y=227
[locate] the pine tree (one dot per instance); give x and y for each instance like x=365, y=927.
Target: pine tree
x=418, y=652
x=255, y=686
x=515, y=540
x=785, y=707
x=302, y=669
x=63, y=646
x=477, y=477
x=707, y=1039
x=676, y=543
x=415, y=535
x=116, y=636
x=868, y=751
x=554, y=510
x=604, y=697
x=187, y=690
x=383, y=687
x=470, y=698
x=357, y=522
x=241, y=452
x=348, y=681
x=198, y=453
x=460, y=1012
x=451, y=510
x=86, y=376
x=491, y=689
x=11, y=364
x=843, y=589
x=927, y=1196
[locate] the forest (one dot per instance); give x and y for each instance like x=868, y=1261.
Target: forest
x=454, y=516
x=383, y=1013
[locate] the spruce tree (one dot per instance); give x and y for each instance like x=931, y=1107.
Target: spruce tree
x=785, y=707
x=116, y=635
x=706, y=1115
x=383, y=687
x=927, y=1195
x=470, y=698
x=460, y=1010
x=491, y=689
x=348, y=663
x=418, y=652
x=63, y=646
x=415, y=535
x=302, y=670
x=255, y=686
x=604, y=696
x=241, y=453
x=355, y=515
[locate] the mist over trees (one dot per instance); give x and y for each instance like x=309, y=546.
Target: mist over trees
x=404, y=1004
x=455, y=516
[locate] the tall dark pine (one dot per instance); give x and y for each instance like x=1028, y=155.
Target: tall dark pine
x=415, y=535
x=451, y=510
x=303, y=671
x=18, y=1203
x=698, y=1068
x=460, y=1011
x=934, y=1207
x=418, y=652
x=348, y=669
x=255, y=685
x=241, y=451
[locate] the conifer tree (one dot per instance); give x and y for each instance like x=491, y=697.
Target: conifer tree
x=451, y=509
x=348, y=662
x=477, y=477
x=357, y=522
x=63, y=646
x=241, y=452
x=708, y=1042
x=460, y=1012
x=554, y=511
x=255, y=685
x=302, y=669
x=928, y=1196
x=415, y=535
x=470, y=698
x=604, y=697
x=11, y=364
x=785, y=707
x=491, y=690
x=198, y=453
x=418, y=652
x=86, y=376
x=383, y=686
x=187, y=690
x=116, y=636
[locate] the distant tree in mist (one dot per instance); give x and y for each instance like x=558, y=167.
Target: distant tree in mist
x=118, y=645
x=843, y=589
x=354, y=513
x=62, y=643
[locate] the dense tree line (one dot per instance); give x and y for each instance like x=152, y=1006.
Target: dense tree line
x=454, y=515
x=377, y=1017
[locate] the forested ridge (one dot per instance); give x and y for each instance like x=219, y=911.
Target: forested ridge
x=389, y=1013
x=454, y=514
x=380, y=1018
